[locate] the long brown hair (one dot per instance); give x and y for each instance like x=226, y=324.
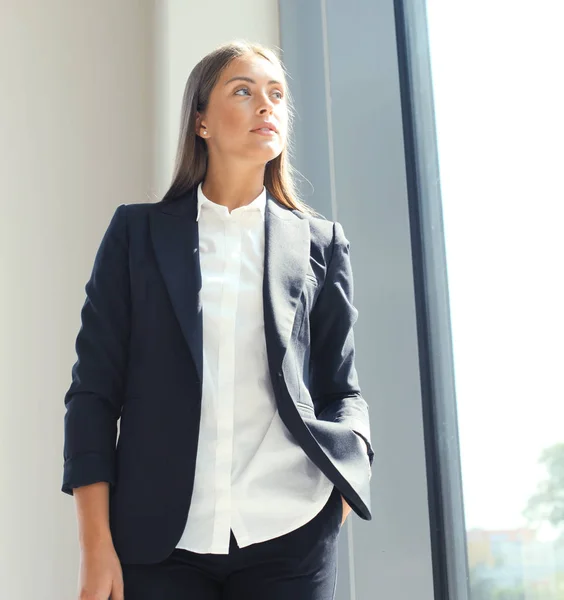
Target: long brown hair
x=192, y=153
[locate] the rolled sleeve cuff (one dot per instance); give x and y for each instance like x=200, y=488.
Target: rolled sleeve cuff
x=361, y=430
x=86, y=469
x=369, y=452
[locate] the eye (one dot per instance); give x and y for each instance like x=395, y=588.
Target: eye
x=245, y=89
x=280, y=94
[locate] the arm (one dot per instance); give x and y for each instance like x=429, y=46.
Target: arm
x=100, y=573
x=94, y=399
x=92, y=511
x=93, y=406
x=333, y=380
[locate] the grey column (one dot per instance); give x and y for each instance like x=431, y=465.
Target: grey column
x=342, y=59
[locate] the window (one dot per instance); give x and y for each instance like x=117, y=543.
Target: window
x=497, y=95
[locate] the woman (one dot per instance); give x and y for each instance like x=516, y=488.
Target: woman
x=218, y=329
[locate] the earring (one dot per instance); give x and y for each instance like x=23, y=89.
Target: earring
x=205, y=132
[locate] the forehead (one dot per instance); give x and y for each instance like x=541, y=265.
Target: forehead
x=254, y=66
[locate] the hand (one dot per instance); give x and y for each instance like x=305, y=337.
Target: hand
x=100, y=573
x=346, y=510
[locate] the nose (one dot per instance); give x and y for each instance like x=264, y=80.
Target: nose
x=265, y=105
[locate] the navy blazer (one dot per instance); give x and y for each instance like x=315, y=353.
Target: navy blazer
x=139, y=361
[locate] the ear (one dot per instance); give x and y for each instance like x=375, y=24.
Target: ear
x=201, y=127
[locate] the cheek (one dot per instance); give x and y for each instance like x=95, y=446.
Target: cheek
x=282, y=119
x=230, y=123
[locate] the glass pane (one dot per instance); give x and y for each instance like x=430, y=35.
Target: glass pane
x=499, y=100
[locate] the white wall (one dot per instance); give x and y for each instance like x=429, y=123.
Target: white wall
x=89, y=107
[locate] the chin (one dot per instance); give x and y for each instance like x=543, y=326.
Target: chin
x=271, y=153
x=261, y=153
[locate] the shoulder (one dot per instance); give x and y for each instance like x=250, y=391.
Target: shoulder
x=139, y=209
x=320, y=227
x=137, y=213
x=324, y=232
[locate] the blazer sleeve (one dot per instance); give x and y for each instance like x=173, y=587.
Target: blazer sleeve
x=333, y=380
x=95, y=397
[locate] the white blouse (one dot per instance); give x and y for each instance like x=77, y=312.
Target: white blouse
x=251, y=475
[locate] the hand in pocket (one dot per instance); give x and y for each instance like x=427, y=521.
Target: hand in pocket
x=346, y=510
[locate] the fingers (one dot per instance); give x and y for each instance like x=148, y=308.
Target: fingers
x=346, y=510
x=117, y=591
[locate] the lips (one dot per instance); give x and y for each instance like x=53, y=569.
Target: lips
x=266, y=127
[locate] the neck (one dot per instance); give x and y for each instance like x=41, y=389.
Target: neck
x=233, y=185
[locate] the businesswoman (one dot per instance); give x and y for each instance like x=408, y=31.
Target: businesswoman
x=218, y=330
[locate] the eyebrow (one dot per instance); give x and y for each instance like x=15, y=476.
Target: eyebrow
x=250, y=80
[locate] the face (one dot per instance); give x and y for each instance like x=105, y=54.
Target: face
x=249, y=95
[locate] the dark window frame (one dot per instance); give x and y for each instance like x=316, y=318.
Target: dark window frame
x=444, y=479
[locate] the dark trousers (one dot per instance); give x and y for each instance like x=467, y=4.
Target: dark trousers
x=300, y=565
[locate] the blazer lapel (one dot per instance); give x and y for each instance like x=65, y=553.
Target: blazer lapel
x=174, y=231
x=286, y=261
